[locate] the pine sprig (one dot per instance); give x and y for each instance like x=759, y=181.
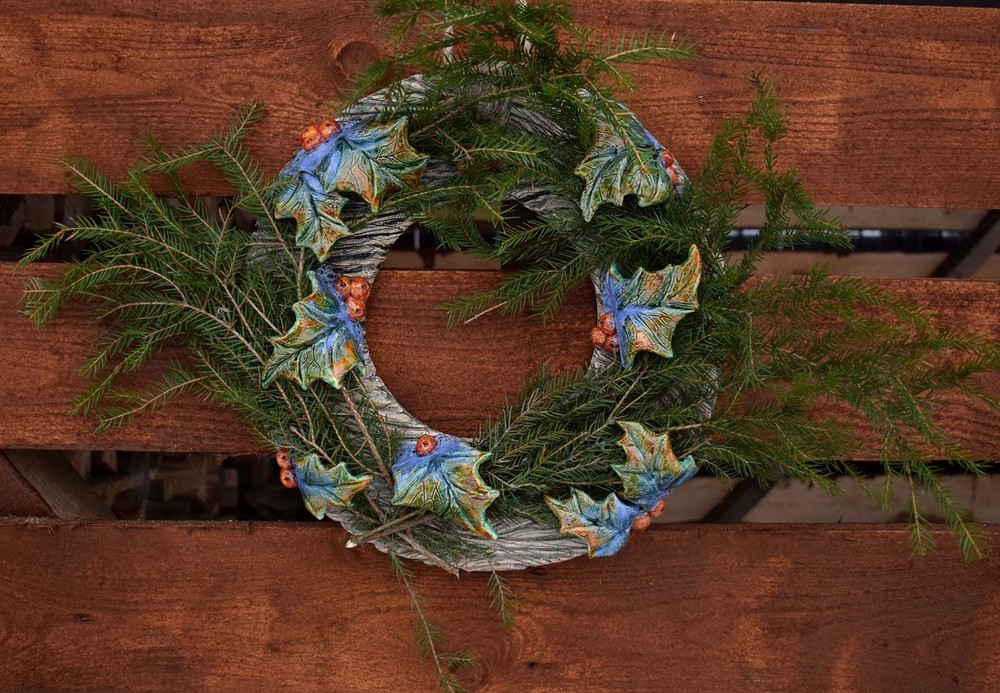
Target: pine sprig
x=503, y=598
x=428, y=636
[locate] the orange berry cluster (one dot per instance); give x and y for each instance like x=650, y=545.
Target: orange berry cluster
x=284, y=459
x=604, y=334
x=642, y=522
x=426, y=444
x=315, y=135
x=355, y=292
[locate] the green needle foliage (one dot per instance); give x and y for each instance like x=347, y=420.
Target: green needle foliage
x=762, y=372
x=429, y=636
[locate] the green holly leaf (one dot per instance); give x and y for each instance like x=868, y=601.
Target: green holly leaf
x=626, y=159
x=445, y=481
x=317, y=215
x=375, y=160
x=323, y=344
x=651, y=469
x=647, y=306
x=324, y=488
x=604, y=526
x=369, y=160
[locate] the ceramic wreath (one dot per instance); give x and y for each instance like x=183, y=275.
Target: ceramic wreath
x=357, y=153
x=522, y=126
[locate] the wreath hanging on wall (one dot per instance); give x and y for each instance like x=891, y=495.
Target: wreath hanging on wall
x=510, y=114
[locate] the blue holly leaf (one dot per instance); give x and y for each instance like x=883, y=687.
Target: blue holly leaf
x=369, y=160
x=647, y=306
x=323, y=344
x=445, y=480
x=626, y=159
x=604, y=526
x=324, y=488
x=651, y=470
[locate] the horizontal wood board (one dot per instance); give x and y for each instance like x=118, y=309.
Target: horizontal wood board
x=236, y=607
x=889, y=105
x=451, y=378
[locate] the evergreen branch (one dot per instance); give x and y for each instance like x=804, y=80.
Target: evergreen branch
x=646, y=46
x=503, y=598
x=175, y=382
x=428, y=636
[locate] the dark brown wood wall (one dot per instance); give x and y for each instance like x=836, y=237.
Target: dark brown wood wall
x=888, y=106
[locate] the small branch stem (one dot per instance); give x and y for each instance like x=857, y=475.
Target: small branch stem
x=400, y=524
x=368, y=438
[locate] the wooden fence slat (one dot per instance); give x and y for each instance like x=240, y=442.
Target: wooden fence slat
x=237, y=606
x=18, y=497
x=451, y=378
x=890, y=105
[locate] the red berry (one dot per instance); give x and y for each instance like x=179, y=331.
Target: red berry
x=598, y=337
x=607, y=323
x=327, y=129
x=342, y=286
x=659, y=508
x=641, y=523
x=610, y=344
x=360, y=288
x=288, y=478
x=426, y=444
x=355, y=309
x=310, y=138
x=284, y=458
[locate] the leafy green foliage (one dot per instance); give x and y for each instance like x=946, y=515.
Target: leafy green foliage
x=323, y=344
x=605, y=526
x=166, y=272
x=446, y=482
x=647, y=306
x=651, y=469
x=623, y=161
x=318, y=218
x=504, y=599
x=324, y=488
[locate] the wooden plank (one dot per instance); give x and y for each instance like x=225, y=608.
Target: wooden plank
x=17, y=496
x=888, y=265
x=215, y=607
x=981, y=247
x=450, y=378
x=889, y=105
x=911, y=219
x=58, y=484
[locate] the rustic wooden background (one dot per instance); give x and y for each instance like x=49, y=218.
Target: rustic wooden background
x=889, y=105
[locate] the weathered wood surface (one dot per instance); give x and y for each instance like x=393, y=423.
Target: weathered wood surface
x=17, y=496
x=451, y=378
x=890, y=106
x=236, y=607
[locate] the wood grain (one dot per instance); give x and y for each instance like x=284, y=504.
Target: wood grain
x=237, y=606
x=17, y=496
x=889, y=105
x=451, y=378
